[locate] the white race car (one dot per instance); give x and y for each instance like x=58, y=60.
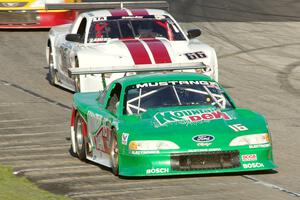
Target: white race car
x=120, y=38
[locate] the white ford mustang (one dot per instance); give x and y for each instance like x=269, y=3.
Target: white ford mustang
x=120, y=38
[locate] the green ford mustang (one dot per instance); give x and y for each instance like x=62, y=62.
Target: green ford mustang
x=168, y=124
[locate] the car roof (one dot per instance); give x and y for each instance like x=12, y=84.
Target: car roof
x=160, y=77
x=125, y=12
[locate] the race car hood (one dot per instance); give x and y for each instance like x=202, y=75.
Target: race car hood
x=181, y=126
x=145, y=51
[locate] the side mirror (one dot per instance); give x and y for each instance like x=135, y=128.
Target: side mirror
x=73, y=37
x=193, y=33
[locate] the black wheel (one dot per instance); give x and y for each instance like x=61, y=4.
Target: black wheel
x=77, y=78
x=114, y=154
x=52, y=73
x=80, y=140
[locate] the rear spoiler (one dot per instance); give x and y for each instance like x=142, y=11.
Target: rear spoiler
x=134, y=68
x=108, y=5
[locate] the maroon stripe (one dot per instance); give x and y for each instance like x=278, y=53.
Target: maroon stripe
x=138, y=52
x=118, y=12
x=158, y=50
x=139, y=12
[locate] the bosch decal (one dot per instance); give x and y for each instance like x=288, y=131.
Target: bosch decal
x=253, y=165
x=157, y=170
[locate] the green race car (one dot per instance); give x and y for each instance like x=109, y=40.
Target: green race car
x=168, y=124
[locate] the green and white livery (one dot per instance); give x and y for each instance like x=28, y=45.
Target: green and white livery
x=168, y=124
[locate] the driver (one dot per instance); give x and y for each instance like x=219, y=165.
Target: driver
x=145, y=29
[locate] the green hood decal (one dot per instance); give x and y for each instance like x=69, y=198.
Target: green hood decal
x=163, y=123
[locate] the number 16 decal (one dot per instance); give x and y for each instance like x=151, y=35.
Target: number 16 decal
x=238, y=127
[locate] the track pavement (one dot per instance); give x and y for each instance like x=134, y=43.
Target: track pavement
x=259, y=66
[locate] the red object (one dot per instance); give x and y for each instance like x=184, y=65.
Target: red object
x=73, y=116
x=158, y=50
x=84, y=128
x=139, y=12
x=44, y=20
x=138, y=52
x=118, y=12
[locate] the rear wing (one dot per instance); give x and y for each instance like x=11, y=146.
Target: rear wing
x=108, y=5
x=134, y=68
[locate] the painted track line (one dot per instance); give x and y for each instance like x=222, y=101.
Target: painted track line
x=32, y=93
x=270, y=185
x=32, y=134
x=34, y=147
x=22, y=171
x=37, y=126
x=27, y=119
x=27, y=157
x=104, y=192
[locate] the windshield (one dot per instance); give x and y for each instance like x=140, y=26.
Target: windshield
x=143, y=96
x=132, y=27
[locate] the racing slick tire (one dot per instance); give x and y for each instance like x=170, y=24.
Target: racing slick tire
x=77, y=78
x=80, y=140
x=52, y=73
x=114, y=154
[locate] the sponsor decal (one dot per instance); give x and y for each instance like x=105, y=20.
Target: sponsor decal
x=203, y=138
x=253, y=165
x=157, y=170
x=254, y=146
x=192, y=115
x=165, y=83
x=125, y=138
x=203, y=144
x=249, y=157
x=145, y=152
x=205, y=150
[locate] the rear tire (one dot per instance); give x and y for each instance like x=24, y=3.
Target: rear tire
x=80, y=140
x=114, y=154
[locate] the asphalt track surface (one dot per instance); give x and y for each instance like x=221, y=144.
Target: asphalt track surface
x=259, y=66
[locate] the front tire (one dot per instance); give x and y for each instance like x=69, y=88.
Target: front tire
x=114, y=155
x=80, y=140
x=52, y=72
x=77, y=78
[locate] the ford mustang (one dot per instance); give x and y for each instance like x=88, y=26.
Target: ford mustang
x=122, y=37
x=168, y=124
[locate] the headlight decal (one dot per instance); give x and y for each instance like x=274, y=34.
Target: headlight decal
x=148, y=145
x=254, y=139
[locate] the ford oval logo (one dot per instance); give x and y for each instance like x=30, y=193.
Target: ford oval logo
x=203, y=138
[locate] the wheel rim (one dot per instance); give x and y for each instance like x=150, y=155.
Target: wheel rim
x=53, y=74
x=51, y=63
x=79, y=135
x=77, y=84
x=115, y=153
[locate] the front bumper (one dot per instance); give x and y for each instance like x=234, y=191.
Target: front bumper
x=181, y=163
x=29, y=19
